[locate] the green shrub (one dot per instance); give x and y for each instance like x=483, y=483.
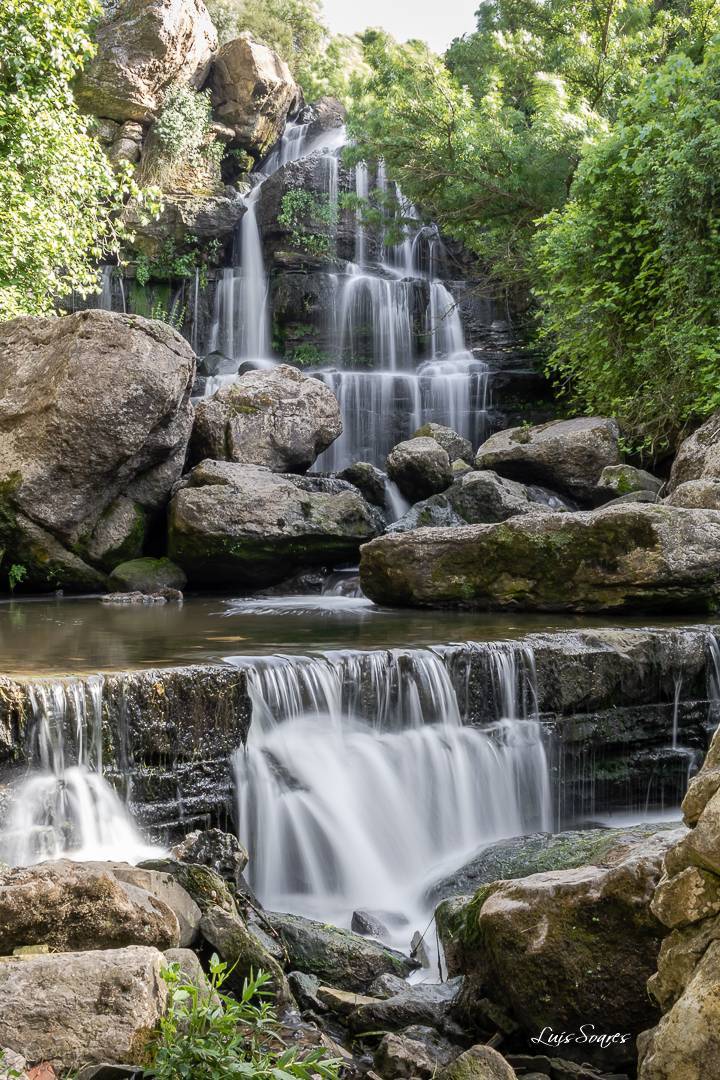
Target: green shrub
x=210, y=1036
x=310, y=219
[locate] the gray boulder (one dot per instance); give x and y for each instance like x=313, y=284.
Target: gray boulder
x=566, y=455
x=244, y=525
x=458, y=448
x=143, y=48
x=278, y=418
x=416, y=1052
x=219, y=850
x=420, y=468
x=424, y=1003
x=625, y=479
x=164, y=888
x=252, y=92
x=119, y=534
x=698, y=457
x=700, y=494
x=368, y=479
x=338, y=957
x=631, y=558
x=71, y=906
x=91, y=1007
x=92, y=406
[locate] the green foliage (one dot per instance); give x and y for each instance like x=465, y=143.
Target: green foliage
x=181, y=151
x=16, y=575
x=171, y=263
x=310, y=219
x=308, y=355
x=58, y=193
x=173, y=314
x=630, y=269
x=209, y=1036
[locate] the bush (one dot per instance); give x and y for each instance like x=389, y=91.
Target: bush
x=310, y=219
x=209, y=1036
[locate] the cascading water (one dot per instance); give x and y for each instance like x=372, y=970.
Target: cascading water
x=64, y=807
x=361, y=782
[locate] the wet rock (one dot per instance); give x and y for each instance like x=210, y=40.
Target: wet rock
x=571, y=947
x=185, y=219
x=420, y=1003
x=338, y=957
x=150, y=576
x=244, y=525
x=368, y=479
x=623, y=558
x=143, y=48
x=305, y=991
x=119, y=534
x=228, y=933
x=458, y=448
x=99, y=1006
x=219, y=850
x=686, y=1042
x=386, y=986
x=478, y=1063
x=64, y=457
x=416, y=1052
x=626, y=480
x=72, y=906
x=420, y=468
x=278, y=418
x=700, y=494
x=252, y=92
x=698, y=457
x=364, y=922
x=566, y=455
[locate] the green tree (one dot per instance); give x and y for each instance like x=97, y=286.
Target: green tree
x=630, y=268
x=59, y=195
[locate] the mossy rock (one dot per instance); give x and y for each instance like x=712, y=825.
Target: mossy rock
x=147, y=576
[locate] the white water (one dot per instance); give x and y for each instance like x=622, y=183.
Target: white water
x=65, y=808
x=360, y=782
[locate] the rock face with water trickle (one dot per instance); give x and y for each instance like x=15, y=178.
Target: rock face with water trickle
x=70, y=906
x=420, y=467
x=252, y=91
x=571, y=947
x=91, y=1007
x=566, y=455
x=686, y=985
x=245, y=525
x=93, y=406
x=278, y=418
x=338, y=957
x=631, y=557
x=143, y=48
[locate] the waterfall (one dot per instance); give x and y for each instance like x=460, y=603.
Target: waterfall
x=64, y=807
x=376, y=321
x=241, y=321
x=361, y=779
x=362, y=190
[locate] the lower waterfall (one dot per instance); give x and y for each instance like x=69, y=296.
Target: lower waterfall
x=361, y=782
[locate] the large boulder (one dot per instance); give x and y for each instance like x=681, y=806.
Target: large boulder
x=479, y=498
x=69, y=905
x=631, y=557
x=572, y=947
x=147, y=576
x=458, y=448
x=90, y=1007
x=279, y=418
x=244, y=525
x=420, y=467
x=698, y=457
x=338, y=957
x=143, y=48
x=252, y=92
x=566, y=455
x=696, y=494
x=92, y=406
